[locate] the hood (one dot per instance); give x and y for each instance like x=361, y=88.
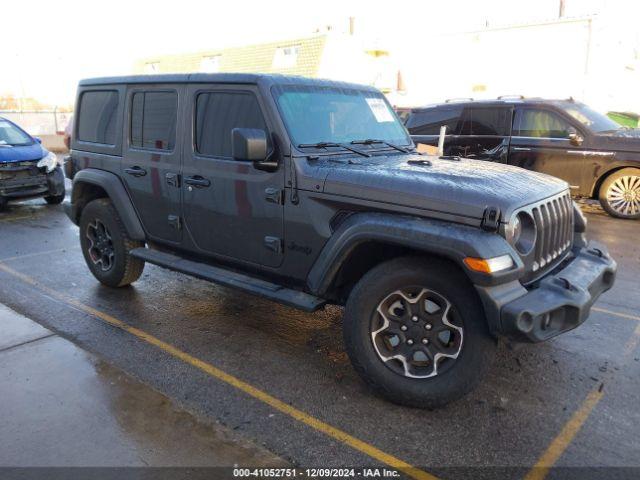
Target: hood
x=624, y=139
x=22, y=153
x=459, y=187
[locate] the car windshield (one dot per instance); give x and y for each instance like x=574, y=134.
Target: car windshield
x=325, y=114
x=594, y=121
x=12, y=135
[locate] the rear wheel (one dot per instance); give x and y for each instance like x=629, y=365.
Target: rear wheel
x=415, y=331
x=106, y=245
x=620, y=194
x=54, y=199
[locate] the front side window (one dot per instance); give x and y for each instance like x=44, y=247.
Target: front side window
x=542, y=124
x=428, y=122
x=153, y=120
x=486, y=121
x=218, y=113
x=595, y=121
x=12, y=135
x=97, y=119
x=314, y=114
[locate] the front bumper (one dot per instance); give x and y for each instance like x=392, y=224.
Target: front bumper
x=35, y=183
x=558, y=302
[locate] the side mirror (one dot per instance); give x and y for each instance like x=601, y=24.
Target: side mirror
x=37, y=139
x=575, y=138
x=249, y=144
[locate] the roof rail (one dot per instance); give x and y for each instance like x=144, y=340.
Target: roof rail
x=460, y=99
x=502, y=97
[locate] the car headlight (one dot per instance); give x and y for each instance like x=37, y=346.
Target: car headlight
x=521, y=233
x=50, y=161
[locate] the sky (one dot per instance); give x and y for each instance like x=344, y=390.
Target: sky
x=50, y=45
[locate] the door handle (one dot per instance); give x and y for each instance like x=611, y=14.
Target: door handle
x=136, y=171
x=197, y=181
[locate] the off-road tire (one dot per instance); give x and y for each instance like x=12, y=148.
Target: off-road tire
x=125, y=269
x=477, y=348
x=613, y=184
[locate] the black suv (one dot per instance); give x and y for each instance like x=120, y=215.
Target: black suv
x=564, y=138
x=310, y=192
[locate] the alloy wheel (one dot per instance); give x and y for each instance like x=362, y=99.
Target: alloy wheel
x=623, y=195
x=416, y=332
x=101, y=250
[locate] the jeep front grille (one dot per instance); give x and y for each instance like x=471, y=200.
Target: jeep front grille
x=554, y=226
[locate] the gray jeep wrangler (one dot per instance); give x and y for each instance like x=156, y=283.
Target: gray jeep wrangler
x=310, y=192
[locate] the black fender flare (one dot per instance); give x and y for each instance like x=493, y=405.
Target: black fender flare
x=116, y=192
x=449, y=240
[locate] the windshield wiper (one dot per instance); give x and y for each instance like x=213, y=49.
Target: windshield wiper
x=333, y=144
x=370, y=141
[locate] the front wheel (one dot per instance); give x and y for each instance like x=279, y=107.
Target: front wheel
x=415, y=331
x=54, y=199
x=620, y=194
x=106, y=245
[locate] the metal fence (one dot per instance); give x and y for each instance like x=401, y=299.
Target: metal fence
x=39, y=123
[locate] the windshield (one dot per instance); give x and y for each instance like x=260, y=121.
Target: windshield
x=12, y=135
x=337, y=115
x=595, y=121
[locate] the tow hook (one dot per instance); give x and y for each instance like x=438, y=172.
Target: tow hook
x=564, y=283
x=597, y=252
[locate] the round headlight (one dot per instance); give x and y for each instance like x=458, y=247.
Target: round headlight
x=523, y=233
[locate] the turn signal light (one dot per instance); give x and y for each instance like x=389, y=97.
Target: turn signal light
x=489, y=265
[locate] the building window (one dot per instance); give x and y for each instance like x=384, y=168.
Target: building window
x=210, y=64
x=286, y=57
x=152, y=67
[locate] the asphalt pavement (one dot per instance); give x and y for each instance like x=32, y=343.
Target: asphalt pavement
x=280, y=379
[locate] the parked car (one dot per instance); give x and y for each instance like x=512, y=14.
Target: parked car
x=27, y=169
x=310, y=192
x=564, y=138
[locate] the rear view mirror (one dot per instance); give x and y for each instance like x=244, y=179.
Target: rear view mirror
x=249, y=144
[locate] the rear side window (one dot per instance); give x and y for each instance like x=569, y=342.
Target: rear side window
x=490, y=121
x=543, y=124
x=217, y=113
x=97, y=119
x=153, y=120
x=428, y=122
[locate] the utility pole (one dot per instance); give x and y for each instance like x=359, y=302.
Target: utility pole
x=561, y=11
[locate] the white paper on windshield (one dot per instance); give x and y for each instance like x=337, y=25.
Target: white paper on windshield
x=380, y=110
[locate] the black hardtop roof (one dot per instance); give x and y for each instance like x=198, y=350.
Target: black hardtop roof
x=238, y=78
x=497, y=102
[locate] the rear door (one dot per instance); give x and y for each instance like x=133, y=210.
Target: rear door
x=230, y=208
x=152, y=156
x=541, y=142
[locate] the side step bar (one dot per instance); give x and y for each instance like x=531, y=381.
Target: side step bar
x=227, y=278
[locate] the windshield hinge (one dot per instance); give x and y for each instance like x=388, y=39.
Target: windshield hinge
x=295, y=199
x=491, y=219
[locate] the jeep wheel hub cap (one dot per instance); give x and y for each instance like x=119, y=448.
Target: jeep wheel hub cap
x=415, y=332
x=100, y=248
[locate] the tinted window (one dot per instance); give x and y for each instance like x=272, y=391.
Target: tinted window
x=540, y=123
x=153, y=120
x=217, y=113
x=97, y=119
x=486, y=121
x=428, y=122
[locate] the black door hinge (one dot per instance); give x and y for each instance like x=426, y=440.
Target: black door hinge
x=273, y=243
x=174, y=221
x=491, y=219
x=274, y=195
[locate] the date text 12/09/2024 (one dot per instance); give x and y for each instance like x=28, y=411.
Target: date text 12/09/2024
x=315, y=472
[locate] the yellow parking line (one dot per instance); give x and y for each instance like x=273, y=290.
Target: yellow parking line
x=562, y=441
x=245, y=387
x=611, y=312
x=34, y=254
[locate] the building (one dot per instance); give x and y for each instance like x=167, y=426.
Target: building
x=336, y=56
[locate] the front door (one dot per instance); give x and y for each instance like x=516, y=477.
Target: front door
x=151, y=159
x=541, y=142
x=230, y=208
